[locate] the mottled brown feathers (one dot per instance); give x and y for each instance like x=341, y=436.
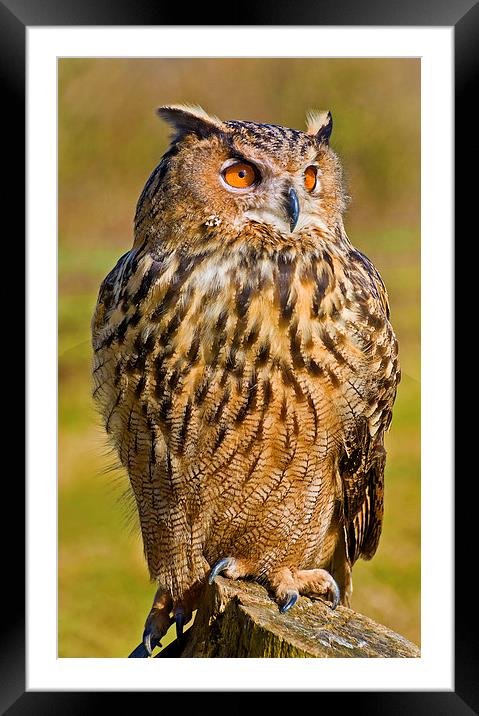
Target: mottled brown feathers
x=246, y=374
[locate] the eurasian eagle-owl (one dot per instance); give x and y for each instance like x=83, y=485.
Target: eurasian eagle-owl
x=246, y=368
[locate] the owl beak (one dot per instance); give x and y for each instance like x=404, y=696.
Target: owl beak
x=292, y=208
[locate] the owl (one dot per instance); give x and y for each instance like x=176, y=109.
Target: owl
x=246, y=368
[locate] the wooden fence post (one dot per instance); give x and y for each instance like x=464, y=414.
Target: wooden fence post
x=238, y=619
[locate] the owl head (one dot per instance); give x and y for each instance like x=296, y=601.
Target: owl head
x=233, y=178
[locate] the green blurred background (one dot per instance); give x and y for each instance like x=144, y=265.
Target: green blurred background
x=109, y=142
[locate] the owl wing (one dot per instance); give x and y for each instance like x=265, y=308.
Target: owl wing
x=111, y=290
x=363, y=458
x=363, y=486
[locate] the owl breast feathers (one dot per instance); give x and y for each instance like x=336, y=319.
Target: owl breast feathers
x=245, y=366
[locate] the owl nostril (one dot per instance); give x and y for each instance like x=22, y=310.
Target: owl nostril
x=292, y=208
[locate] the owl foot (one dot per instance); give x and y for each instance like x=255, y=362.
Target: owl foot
x=230, y=567
x=156, y=625
x=318, y=583
x=288, y=584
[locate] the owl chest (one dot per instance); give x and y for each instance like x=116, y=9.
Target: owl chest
x=237, y=362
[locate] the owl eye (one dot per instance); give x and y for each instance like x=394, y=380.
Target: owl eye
x=240, y=175
x=310, y=177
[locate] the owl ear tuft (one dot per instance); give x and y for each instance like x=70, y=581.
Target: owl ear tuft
x=320, y=124
x=189, y=119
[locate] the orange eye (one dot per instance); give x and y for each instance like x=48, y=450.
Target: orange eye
x=240, y=175
x=310, y=175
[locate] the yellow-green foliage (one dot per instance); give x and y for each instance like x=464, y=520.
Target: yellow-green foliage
x=109, y=141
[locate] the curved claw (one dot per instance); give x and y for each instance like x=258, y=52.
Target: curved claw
x=291, y=599
x=139, y=653
x=336, y=594
x=219, y=567
x=150, y=641
x=145, y=649
x=180, y=621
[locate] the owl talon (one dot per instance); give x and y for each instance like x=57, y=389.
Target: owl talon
x=149, y=642
x=139, y=653
x=145, y=649
x=320, y=584
x=180, y=621
x=291, y=599
x=156, y=625
x=336, y=594
x=288, y=584
x=220, y=566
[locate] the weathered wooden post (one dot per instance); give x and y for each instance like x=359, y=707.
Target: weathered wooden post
x=238, y=619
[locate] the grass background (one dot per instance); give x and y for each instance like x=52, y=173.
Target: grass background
x=109, y=142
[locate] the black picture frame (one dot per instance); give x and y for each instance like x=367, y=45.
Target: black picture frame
x=15, y=17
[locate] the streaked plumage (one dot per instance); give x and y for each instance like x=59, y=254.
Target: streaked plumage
x=245, y=372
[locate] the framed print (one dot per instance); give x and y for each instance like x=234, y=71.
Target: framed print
x=85, y=81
